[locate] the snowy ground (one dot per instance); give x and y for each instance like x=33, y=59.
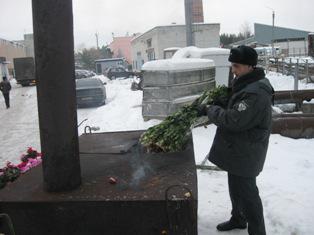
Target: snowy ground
x=285, y=184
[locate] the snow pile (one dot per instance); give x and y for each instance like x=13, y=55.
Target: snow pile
x=172, y=48
x=177, y=64
x=194, y=52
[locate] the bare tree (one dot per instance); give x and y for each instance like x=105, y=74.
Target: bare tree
x=245, y=30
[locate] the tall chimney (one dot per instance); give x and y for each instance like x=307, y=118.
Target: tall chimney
x=54, y=56
x=197, y=11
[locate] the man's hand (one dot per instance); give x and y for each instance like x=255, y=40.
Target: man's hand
x=202, y=110
x=212, y=112
x=222, y=101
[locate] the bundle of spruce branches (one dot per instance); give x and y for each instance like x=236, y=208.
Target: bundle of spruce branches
x=172, y=134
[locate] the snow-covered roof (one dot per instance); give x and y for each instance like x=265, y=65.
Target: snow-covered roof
x=178, y=64
x=110, y=59
x=172, y=48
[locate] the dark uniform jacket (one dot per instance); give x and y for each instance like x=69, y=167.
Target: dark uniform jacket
x=5, y=87
x=244, y=126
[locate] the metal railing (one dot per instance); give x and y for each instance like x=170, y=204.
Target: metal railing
x=297, y=67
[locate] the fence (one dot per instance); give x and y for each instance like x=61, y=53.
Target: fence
x=299, y=68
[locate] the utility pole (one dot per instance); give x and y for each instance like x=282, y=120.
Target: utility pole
x=96, y=34
x=189, y=23
x=273, y=28
x=272, y=31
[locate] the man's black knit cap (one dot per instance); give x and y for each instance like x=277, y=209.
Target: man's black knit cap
x=243, y=55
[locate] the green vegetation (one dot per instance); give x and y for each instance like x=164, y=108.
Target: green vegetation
x=172, y=134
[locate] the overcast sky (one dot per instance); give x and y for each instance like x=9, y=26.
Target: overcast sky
x=122, y=16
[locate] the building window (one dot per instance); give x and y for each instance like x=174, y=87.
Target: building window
x=149, y=43
x=98, y=68
x=151, y=54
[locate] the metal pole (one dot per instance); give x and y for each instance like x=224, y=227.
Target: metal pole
x=188, y=23
x=272, y=41
x=55, y=78
x=307, y=71
x=296, y=76
x=96, y=34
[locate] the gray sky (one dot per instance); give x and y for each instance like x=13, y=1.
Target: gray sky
x=122, y=16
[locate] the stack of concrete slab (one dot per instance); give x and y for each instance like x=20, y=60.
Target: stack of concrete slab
x=218, y=55
x=170, y=84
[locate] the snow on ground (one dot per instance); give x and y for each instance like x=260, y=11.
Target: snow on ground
x=300, y=59
x=123, y=110
x=285, y=184
x=19, y=124
x=282, y=82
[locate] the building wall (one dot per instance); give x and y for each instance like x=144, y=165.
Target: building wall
x=29, y=44
x=11, y=50
x=140, y=47
x=121, y=47
x=293, y=48
x=162, y=37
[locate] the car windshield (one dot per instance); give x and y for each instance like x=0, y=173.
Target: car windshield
x=88, y=82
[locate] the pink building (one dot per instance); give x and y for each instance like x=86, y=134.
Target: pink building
x=121, y=47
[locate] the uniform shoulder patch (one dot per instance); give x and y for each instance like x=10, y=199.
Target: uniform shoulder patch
x=242, y=106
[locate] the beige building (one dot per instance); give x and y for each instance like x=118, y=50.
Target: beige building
x=151, y=45
x=11, y=50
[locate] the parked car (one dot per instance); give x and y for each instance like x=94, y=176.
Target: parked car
x=90, y=92
x=81, y=73
x=113, y=73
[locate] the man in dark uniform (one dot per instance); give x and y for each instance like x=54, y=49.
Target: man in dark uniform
x=5, y=87
x=241, y=140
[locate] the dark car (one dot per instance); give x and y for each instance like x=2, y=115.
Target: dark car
x=90, y=92
x=81, y=73
x=113, y=73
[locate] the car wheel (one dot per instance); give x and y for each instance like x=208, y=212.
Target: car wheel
x=113, y=77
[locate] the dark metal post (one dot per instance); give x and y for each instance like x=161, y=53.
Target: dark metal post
x=307, y=71
x=296, y=76
x=54, y=58
x=311, y=44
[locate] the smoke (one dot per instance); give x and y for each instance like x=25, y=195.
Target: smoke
x=140, y=167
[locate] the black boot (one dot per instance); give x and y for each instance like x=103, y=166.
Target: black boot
x=231, y=224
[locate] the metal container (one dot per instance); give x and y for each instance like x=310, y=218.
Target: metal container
x=151, y=194
x=166, y=89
